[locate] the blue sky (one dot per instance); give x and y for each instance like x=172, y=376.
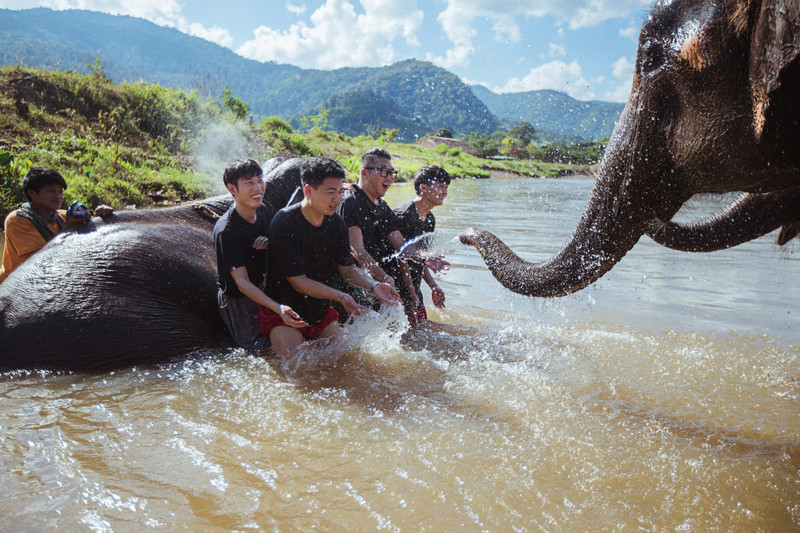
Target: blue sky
x=585, y=48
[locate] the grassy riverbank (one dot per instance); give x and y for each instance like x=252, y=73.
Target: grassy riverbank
x=144, y=145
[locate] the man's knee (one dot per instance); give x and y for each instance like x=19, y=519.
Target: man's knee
x=285, y=339
x=330, y=330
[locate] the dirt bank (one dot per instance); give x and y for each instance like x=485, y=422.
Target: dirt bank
x=583, y=171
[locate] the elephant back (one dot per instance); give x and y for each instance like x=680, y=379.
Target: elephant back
x=203, y=213
x=282, y=182
x=124, y=295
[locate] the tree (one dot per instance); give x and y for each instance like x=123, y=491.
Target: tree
x=524, y=133
x=234, y=104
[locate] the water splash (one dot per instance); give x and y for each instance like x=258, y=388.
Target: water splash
x=217, y=145
x=373, y=332
x=412, y=248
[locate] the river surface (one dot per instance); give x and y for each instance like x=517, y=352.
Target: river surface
x=665, y=397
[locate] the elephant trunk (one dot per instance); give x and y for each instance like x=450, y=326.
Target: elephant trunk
x=610, y=226
x=750, y=216
x=632, y=188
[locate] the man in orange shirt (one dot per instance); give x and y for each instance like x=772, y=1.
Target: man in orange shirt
x=31, y=226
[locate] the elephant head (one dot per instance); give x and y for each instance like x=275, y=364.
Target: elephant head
x=714, y=108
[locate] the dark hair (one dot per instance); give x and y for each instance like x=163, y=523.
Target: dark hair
x=368, y=159
x=38, y=177
x=316, y=169
x=241, y=168
x=430, y=175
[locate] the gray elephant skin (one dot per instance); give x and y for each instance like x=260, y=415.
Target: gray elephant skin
x=139, y=289
x=714, y=108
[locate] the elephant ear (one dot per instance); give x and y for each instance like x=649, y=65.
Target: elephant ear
x=774, y=46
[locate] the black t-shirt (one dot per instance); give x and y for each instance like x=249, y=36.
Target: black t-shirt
x=299, y=248
x=375, y=221
x=233, y=244
x=411, y=227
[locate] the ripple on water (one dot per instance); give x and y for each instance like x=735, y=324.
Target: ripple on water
x=640, y=403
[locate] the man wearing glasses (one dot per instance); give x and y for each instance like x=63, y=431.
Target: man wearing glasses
x=373, y=227
x=371, y=224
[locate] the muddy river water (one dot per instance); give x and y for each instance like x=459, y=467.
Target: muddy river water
x=664, y=397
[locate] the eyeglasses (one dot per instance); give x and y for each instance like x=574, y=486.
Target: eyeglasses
x=384, y=172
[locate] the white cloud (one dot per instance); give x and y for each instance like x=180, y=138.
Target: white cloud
x=215, y=34
x=457, y=27
x=457, y=18
x=337, y=36
x=297, y=10
x=631, y=32
x=556, y=50
x=622, y=70
x=505, y=28
x=556, y=75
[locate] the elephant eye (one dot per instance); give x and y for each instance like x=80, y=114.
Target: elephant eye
x=653, y=57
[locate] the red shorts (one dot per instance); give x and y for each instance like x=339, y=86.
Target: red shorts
x=270, y=319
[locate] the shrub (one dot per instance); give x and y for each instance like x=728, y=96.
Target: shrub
x=275, y=124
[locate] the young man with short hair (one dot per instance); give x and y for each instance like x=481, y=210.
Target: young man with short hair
x=415, y=219
x=240, y=243
x=38, y=220
x=309, y=247
x=371, y=225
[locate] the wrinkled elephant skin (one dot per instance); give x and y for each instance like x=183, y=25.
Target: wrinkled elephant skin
x=714, y=108
x=139, y=289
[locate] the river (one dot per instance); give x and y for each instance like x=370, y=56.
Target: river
x=663, y=397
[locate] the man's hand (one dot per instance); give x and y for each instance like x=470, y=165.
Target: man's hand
x=437, y=264
x=290, y=318
x=386, y=293
x=437, y=294
x=103, y=210
x=351, y=306
x=261, y=243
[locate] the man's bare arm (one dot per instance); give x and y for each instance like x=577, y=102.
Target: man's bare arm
x=363, y=257
x=358, y=278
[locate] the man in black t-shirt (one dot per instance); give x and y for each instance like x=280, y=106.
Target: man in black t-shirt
x=372, y=227
x=240, y=243
x=415, y=219
x=309, y=247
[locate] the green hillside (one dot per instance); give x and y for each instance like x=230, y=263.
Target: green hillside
x=414, y=97
x=554, y=112
x=144, y=144
x=132, y=49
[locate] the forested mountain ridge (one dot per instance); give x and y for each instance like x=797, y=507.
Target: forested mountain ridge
x=412, y=96
x=549, y=110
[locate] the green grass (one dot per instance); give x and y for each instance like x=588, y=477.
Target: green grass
x=145, y=145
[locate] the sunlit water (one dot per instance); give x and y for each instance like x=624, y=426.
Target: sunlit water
x=664, y=397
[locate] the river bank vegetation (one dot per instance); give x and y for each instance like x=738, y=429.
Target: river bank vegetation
x=139, y=144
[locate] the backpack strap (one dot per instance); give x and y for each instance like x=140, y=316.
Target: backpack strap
x=28, y=212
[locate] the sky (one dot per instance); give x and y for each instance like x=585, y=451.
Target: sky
x=586, y=48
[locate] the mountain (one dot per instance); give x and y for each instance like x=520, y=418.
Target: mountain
x=553, y=111
x=354, y=112
x=131, y=49
x=412, y=96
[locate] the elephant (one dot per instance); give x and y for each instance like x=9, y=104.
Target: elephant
x=714, y=108
x=140, y=288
